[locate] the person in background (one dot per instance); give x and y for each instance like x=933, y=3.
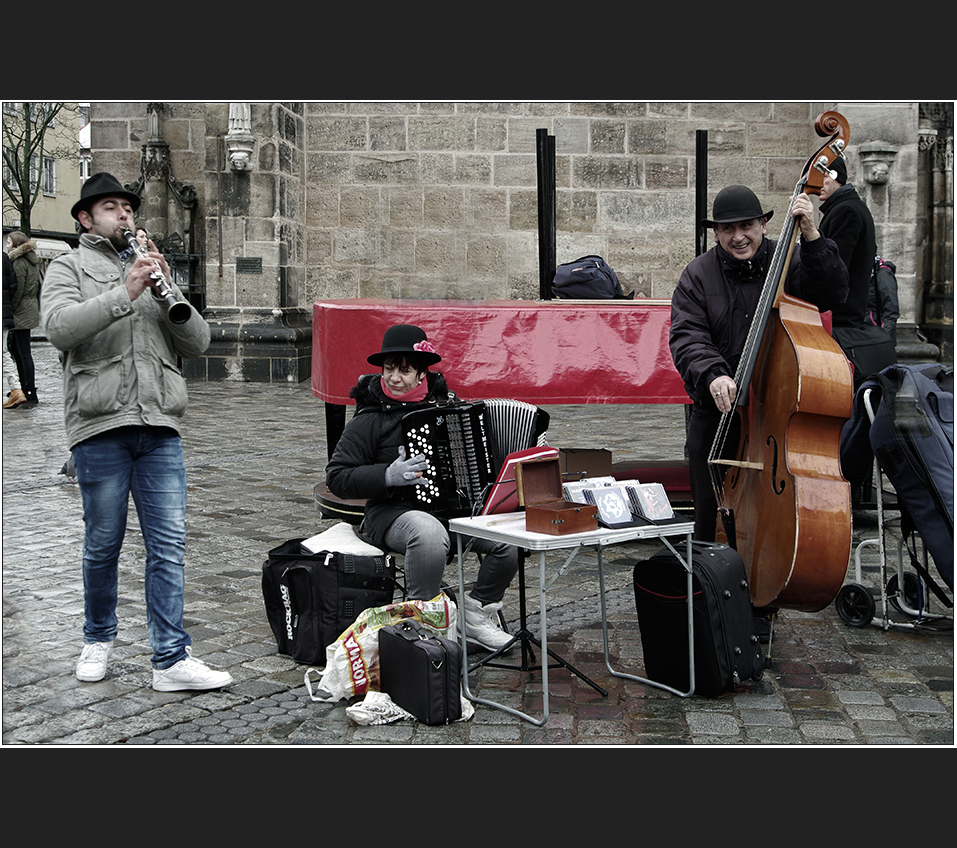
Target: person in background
x=883, y=307
x=26, y=314
x=846, y=220
x=14, y=396
x=369, y=462
x=712, y=310
x=123, y=401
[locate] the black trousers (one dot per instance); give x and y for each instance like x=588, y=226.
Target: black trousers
x=702, y=429
x=18, y=343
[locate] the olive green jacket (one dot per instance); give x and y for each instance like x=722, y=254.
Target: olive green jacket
x=26, y=299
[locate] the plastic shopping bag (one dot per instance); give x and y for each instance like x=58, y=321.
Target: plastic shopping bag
x=352, y=661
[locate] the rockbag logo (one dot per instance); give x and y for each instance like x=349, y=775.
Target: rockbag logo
x=287, y=603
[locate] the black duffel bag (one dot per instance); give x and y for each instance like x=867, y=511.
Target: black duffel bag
x=311, y=598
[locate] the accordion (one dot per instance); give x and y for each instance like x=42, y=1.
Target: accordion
x=466, y=444
x=454, y=440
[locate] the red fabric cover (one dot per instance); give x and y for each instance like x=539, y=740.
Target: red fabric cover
x=541, y=352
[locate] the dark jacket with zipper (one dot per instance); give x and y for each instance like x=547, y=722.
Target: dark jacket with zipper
x=716, y=297
x=370, y=444
x=846, y=220
x=9, y=289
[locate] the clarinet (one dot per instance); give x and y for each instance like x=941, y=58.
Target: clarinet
x=179, y=311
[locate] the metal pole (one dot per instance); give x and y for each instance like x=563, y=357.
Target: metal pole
x=701, y=191
x=545, y=145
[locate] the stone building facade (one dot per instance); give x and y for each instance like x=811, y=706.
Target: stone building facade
x=299, y=201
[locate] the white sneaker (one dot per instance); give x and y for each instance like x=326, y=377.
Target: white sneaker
x=93, y=660
x=482, y=625
x=189, y=674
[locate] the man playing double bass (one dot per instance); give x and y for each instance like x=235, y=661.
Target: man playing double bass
x=712, y=310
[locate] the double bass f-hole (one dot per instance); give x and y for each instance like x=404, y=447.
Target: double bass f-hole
x=777, y=484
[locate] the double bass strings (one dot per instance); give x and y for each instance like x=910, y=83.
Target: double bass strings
x=742, y=378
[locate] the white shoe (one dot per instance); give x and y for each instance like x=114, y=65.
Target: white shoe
x=189, y=674
x=93, y=660
x=482, y=625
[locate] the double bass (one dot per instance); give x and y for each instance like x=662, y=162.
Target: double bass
x=782, y=500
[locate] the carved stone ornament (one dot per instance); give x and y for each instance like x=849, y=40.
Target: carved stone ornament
x=239, y=140
x=876, y=160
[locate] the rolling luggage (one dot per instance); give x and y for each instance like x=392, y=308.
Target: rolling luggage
x=311, y=598
x=727, y=647
x=420, y=671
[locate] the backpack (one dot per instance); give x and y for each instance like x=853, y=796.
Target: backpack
x=587, y=278
x=882, y=306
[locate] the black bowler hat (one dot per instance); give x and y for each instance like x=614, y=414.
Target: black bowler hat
x=102, y=185
x=405, y=340
x=735, y=203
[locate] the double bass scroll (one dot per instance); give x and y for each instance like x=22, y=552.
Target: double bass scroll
x=784, y=504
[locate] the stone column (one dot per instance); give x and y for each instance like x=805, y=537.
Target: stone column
x=261, y=332
x=937, y=152
x=155, y=170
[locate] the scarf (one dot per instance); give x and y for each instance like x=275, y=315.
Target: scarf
x=420, y=392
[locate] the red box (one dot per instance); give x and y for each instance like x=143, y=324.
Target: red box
x=539, y=484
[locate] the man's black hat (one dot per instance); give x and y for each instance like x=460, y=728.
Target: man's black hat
x=102, y=185
x=735, y=203
x=839, y=166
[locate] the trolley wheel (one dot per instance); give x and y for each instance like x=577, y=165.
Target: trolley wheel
x=912, y=592
x=855, y=605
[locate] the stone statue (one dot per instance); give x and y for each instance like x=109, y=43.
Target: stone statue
x=239, y=139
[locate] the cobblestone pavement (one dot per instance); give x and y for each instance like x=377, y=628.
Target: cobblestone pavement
x=254, y=453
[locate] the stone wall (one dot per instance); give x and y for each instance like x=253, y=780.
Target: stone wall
x=440, y=200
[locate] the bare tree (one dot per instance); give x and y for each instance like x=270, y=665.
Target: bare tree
x=26, y=140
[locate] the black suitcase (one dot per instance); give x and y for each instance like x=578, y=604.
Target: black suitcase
x=311, y=599
x=420, y=671
x=727, y=647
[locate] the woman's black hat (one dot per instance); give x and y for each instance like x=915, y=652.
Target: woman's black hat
x=735, y=203
x=405, y=340
x=102, y=185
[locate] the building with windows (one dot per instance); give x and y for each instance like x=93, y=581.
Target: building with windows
x=55, y=168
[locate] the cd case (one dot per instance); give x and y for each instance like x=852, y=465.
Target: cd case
x=626, y=504
x=649, y=500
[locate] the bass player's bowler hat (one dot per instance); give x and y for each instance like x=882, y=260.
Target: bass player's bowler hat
x=735, y=203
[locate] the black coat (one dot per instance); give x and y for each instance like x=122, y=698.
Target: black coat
x=370, y=444
x=714, y=303
x=9, y=287
x=848, y=222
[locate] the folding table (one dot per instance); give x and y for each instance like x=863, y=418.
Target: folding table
x=510, y=529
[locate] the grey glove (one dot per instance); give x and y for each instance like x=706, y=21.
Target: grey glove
x=402, y=472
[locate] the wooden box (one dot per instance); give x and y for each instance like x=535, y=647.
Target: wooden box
x=539, y=484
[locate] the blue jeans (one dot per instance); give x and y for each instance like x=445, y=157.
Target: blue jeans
x=425, y=543
x=148, y=463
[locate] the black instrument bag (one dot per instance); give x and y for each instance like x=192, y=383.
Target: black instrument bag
x=913, y=439
x=311, y=598
x=727, y=648
x=421, y=671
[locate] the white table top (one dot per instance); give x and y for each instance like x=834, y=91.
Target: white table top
x=510, y=528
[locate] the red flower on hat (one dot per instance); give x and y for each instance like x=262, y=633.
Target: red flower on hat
x=424, y=347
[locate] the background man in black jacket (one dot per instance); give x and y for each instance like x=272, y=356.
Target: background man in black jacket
x=846, y=220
